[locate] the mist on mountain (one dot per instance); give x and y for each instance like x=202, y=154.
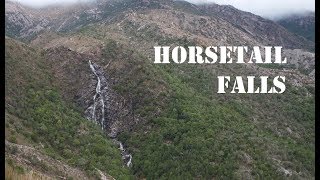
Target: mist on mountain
x=271, y=9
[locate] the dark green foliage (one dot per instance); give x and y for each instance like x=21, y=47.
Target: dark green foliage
x=60, y=127
x=13, y=139
x=207, y=135
x=277, y=66
x=67, y=134
x=189, y=131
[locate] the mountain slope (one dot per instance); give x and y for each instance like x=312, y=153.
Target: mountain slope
x=62, y=19
x=38, y=116
x=303, y=25
x=195, y=114
x=168, y=117
x=259, y=28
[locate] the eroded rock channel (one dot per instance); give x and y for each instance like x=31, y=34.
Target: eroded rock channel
x=83, y=79
x=98, y=110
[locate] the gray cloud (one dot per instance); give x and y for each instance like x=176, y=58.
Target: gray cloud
x=43, y=3
x=266, y=8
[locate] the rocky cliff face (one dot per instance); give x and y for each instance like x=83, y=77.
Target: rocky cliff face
x=21, y=21
x=25, y=23
x=90, y=86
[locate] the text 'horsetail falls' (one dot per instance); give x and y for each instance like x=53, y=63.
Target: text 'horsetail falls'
x=97, y=111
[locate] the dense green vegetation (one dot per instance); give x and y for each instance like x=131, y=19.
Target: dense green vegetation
x=200, y=137
x=187, y=129
x=49, y=120
x=277, y=66
x=203, y=134
x=182, y=129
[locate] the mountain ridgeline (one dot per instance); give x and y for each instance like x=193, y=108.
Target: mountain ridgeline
x=303, y=25
x=84, y=99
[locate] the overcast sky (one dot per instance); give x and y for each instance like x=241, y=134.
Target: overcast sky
x=266, y=8
x=42, y=3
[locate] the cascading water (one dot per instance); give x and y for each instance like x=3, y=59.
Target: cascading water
x=96, y=111
x=98, y=107
x=125, y=155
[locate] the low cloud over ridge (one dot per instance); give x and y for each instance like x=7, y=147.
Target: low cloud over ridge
x=266, y=8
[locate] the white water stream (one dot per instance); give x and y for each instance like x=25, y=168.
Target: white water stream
x=99, y=99
x=96, y=100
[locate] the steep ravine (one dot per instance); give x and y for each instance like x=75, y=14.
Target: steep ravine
x=97, y=111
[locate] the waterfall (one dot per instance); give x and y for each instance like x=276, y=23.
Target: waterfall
x=98, y=108
x=125, y=155
x=98, y=99
x=129, y=162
